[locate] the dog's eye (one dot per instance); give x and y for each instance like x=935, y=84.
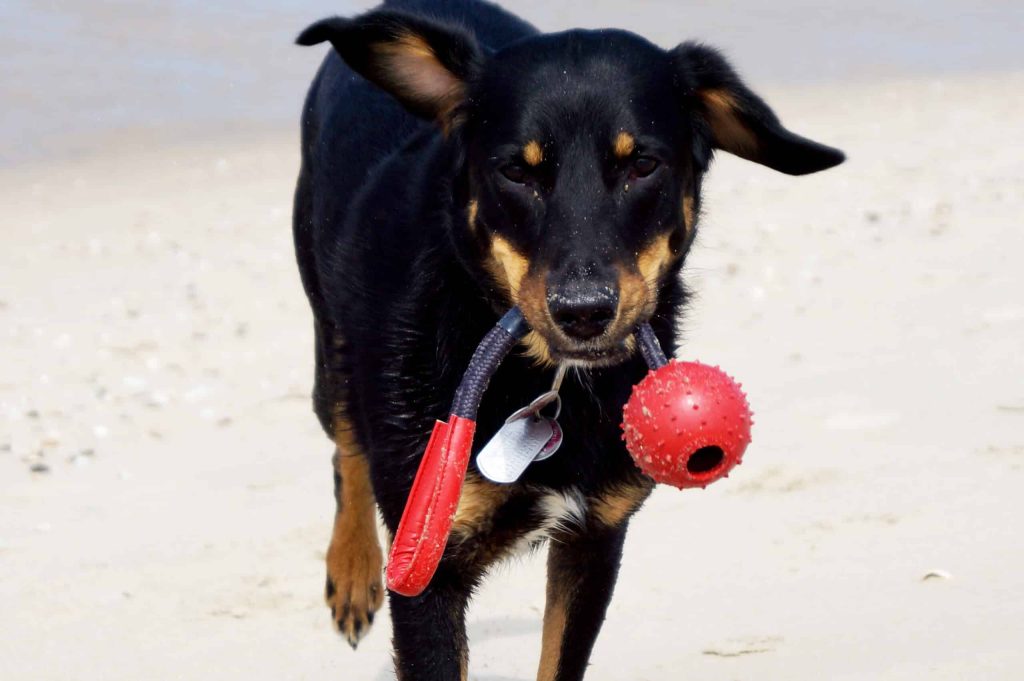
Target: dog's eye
x=514, y=172
x=644, y=166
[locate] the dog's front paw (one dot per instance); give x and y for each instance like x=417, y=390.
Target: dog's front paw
x=354, y=589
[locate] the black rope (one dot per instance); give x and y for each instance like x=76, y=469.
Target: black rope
x=492, y=349
x=650, y=348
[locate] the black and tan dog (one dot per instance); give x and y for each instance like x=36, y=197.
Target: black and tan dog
x=456, y=162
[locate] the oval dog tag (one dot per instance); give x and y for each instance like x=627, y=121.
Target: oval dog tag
x=554, y=443
x=518, y=443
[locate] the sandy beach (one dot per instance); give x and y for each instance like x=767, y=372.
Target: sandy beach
x=165, y=491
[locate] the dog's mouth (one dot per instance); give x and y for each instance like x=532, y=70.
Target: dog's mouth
x=591, y=354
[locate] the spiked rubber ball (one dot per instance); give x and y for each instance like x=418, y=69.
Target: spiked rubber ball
x=687, y=424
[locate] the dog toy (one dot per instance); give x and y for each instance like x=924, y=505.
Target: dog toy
x=686, y=424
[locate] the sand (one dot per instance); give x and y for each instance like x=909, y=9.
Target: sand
x=165, y=491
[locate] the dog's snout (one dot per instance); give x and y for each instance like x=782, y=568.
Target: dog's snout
x=583, y=314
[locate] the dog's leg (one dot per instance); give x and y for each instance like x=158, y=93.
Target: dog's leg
x=354, y=590
x=430, y=629
x=581, y=576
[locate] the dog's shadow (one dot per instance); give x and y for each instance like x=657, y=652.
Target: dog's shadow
x=483, y=630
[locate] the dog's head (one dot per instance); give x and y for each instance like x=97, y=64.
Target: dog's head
x=580, y=157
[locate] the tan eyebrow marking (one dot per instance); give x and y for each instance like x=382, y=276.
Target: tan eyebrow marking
x=532, y=153
x=624, y=144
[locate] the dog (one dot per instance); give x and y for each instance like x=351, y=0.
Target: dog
x=457, y=162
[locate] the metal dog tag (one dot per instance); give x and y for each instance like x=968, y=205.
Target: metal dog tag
x=526, y=437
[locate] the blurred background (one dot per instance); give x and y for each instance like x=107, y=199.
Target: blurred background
x=79, y=76
x=165, y=491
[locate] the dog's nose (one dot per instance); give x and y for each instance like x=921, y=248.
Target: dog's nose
x=583, y=315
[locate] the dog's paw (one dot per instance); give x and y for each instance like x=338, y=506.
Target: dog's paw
x=354, y=589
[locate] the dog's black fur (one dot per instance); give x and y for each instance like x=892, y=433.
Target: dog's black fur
x=456, y=162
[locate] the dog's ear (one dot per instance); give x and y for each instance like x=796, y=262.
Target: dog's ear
x=425, y=65
x=739, y=121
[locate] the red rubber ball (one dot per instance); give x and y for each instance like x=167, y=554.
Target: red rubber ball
x=687, y=424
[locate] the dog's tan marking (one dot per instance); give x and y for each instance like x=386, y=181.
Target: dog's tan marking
x=635, y=300
x=415, y=69
x=472, y=211
x=555, y=617
x=638, y=286
x=354, y=589
x=729, y=132
x=507, y=265
x=533, y=154
x=538, y=350
x=625, y=143
x=630, y=344
x=689, y=217
x=614, y=506
x=532, y=300
x=510, y=269
x=479, y=500
x=654, y=260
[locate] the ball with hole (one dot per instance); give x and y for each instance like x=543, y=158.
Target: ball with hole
x=687, y=424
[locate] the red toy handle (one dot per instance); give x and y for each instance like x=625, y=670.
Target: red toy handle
x=427, y=521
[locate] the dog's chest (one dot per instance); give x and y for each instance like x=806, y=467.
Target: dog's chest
x=553, y=511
